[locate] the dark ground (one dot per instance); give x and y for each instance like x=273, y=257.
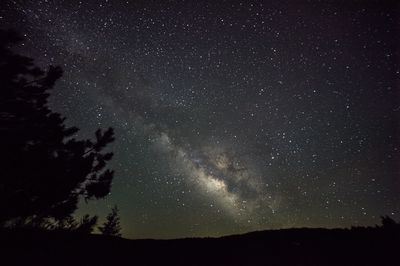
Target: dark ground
x=358, y=246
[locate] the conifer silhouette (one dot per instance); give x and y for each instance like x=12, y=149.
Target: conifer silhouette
x=111, y=226
x=44, y=169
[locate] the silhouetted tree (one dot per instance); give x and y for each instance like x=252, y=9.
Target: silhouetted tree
x=87, y=224
x=111, y=226
x=389, y=223
x=44, y=170
x=68, y=223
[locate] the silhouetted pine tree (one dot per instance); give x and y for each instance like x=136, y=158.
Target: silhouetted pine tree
x=43, y=169
x=111, y=226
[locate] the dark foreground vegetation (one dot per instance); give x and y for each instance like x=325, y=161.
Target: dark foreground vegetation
x=356, y=246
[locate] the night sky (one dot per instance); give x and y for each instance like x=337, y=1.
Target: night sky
x=230, y=116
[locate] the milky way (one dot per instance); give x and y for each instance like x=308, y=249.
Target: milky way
x=230, y=116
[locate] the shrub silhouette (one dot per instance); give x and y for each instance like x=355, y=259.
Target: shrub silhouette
x=389, y=223
x=44, y=169
x=111, y=226
x=87, y=224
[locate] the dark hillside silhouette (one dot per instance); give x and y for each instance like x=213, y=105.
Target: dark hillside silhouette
x=305, y=246
x=44, y=169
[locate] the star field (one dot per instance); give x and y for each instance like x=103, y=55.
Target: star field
x=230, y=116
